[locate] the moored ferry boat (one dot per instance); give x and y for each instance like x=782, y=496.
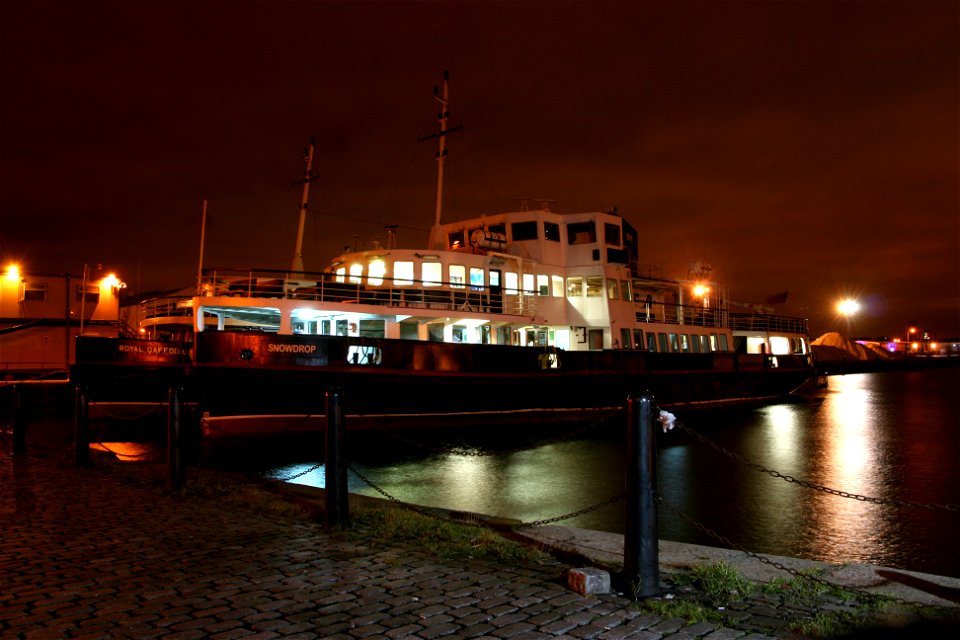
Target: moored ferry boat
x=524, y=315
x=531, y=315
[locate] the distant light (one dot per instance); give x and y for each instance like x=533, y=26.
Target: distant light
x=848, y=307
x=12, y=273
x=701, y=290
x=111, y=280
x=934, y=345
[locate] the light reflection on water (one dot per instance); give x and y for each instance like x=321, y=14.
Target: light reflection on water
x=887, y=436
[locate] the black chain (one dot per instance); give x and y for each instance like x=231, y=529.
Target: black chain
x=569, y=516
x=296, y=475
x=813, y=485
x=522, y=525
x=803, y=576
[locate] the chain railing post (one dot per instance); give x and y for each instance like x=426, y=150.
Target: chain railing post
x=337, y=506
x=174, y=438
x=641, y=561
x=18, y=423
x=81, y=427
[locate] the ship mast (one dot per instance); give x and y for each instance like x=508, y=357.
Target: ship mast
x=297, y=265
x=443, y=97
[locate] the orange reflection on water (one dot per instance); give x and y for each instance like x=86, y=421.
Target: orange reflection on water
x=847, y=461
x=130, y=451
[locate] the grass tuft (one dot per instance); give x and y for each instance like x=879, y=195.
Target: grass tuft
x=442, y=538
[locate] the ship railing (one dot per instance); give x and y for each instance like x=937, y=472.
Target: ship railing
x=174, y=306
x=650, y=311
x=386, y=291
x=768, y=323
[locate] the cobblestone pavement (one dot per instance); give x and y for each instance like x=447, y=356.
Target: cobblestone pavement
x=103, y=553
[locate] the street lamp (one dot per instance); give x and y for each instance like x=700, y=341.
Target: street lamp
x=848, y=307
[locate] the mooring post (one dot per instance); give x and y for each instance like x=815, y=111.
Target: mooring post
x=174, y=439
x=19, y=424
x=337, y=511
x=641, y=559
x=81, y=427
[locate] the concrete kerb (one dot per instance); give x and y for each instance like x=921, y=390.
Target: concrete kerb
x=606, y=549
x=601, y=549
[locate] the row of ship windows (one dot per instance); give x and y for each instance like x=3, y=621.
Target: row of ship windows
x=431, y=274
x=577, y=233
x=629, y=338
x=673, y=342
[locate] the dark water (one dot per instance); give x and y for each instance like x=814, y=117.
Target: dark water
x=891, y=436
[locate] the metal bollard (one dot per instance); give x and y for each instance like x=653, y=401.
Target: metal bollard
x=641, y=559
x=175, y=470
x=81, y=428
x=19, y=424
x=337, y=508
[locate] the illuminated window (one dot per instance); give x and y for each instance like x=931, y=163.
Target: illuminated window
x=528, y=283
x=403, y=272
x=779, y=345
x=685, y=343
x=651, y=342
x=476, y=279
x=594, y=286
x=543, y=285
x=557, y=282
x=674, y=344
x=494, y=278
x=375, y=272
x=364, y=355
x=574, y=286
x=458, y=275
x=625, y=290
x=341, y=272
x=356, y=273
x=511, y=282
x=430, y=273
x=612, y=289
x=713, y=342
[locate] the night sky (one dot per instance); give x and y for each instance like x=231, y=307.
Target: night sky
x=809, y=147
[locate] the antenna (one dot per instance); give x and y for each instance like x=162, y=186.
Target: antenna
x=203, y=234
x=297, y=265
x=443, y=97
